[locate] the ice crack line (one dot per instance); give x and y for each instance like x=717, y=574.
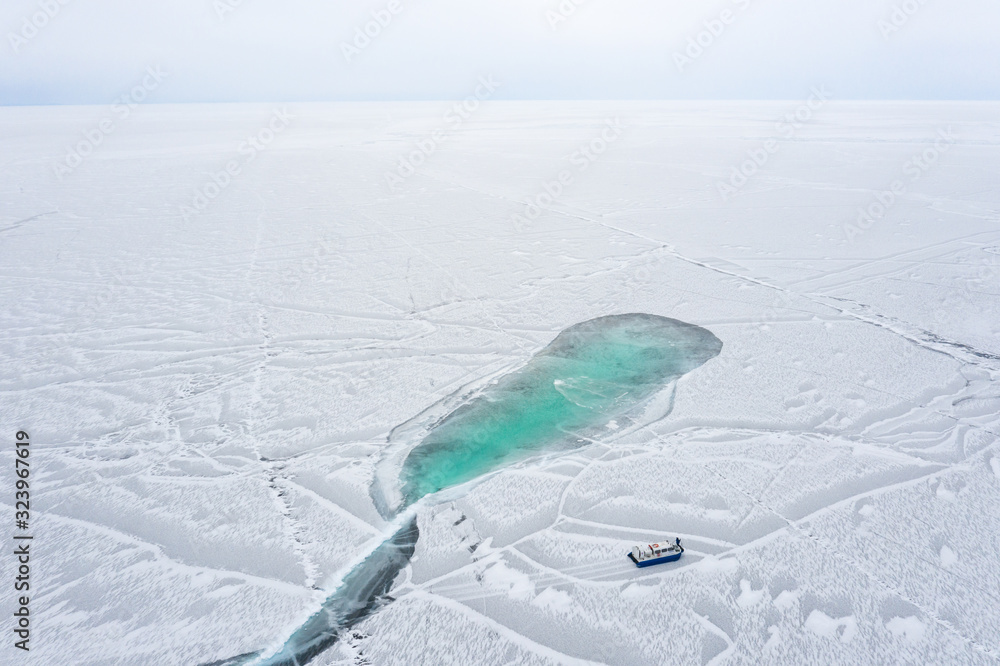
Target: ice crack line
x=478, y=300
x=830, y=549
x=276, y=482
x=21, y=223
x=273, y=470
x=957, y=351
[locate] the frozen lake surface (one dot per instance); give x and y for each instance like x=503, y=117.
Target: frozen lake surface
x=210, y=344
x=618, y=367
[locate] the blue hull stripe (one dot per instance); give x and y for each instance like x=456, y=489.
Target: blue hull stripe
x=658, y=560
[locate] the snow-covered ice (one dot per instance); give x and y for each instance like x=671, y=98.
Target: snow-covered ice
x=209, y=366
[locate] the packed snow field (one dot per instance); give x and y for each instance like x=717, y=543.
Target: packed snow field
x=214, y=316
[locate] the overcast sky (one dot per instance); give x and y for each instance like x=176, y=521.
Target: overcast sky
x=92, y=51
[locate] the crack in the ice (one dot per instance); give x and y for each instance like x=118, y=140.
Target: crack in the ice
x=21, y=223
x=274, y=478
x=822, y=542
x=933, y=342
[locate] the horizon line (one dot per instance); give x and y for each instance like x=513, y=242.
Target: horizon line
x=913, y=100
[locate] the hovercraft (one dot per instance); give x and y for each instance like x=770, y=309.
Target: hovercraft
x=654, y=553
